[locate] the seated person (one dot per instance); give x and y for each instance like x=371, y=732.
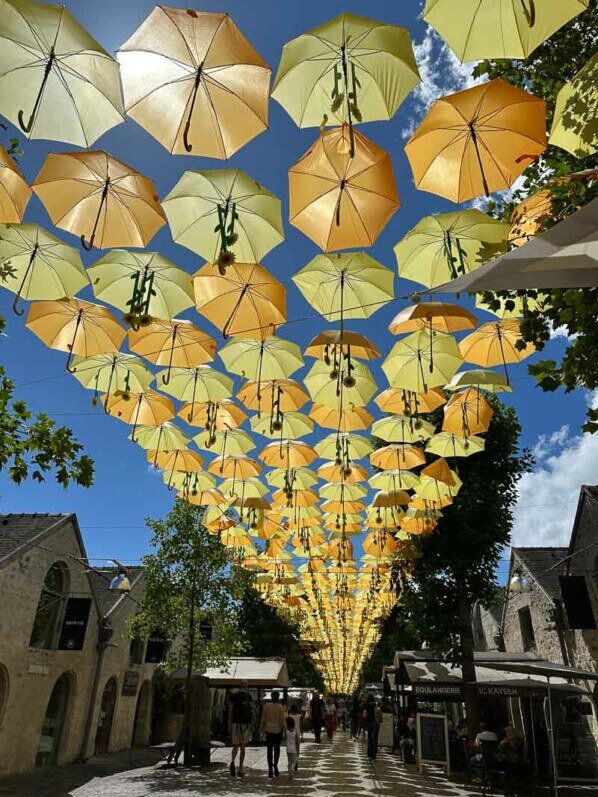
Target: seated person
x=484, y=735
x=512, y=744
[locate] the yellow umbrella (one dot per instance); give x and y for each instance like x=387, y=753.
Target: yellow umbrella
x=384, y=498
x=288, y=454
x=178, y=461
x=480, y=378
x=477, y=141
x=337, y=492
x=331, y=472
x=140, y=409
x=227, y=442
x=93, y=195
x=352, y=385
x=331, y=344
x=288, y=424
x=190, y=483
x=286, y=395
x=165, y=437
x=14, y=191
x=402, y=429
x=420, y=361
x=194, y=82
x=235, y=467
x=176, y=343
x=348, y=419
x=395, y=480
x=495, y=344
x=574, y=122
x=407, y=402
x=202, y=383
x=249, y=488
x=294, y=498
x=209, y=497
x=57, y=81
x=246, y=301
x=272, y=358
x=76, y=327
x=379, y=544
x=467, y=412
x=294, y=479
x=112, y=373
x=397, y=456
x=446, y=444
x=339, y=201
x=434, y=316
x=213, y=415
x=440, y=471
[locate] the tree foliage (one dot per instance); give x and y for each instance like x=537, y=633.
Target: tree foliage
x=544, y=73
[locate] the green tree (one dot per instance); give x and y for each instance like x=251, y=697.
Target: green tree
x=544, y=73
x=459, y=560
x=265, y=633
x=189, y=579
x=395, y=636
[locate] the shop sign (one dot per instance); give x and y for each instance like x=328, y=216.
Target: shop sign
x=497, y=691
x=38, y=669
x=438, y=691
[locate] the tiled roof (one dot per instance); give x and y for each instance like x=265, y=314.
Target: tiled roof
x=539, y=562
x=19, y=530
x=101, y=579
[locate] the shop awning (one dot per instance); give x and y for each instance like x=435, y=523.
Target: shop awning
x=265, y=673
x=546, y=669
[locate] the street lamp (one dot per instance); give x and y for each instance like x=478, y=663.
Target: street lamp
x=120, y=582
x=519, y=583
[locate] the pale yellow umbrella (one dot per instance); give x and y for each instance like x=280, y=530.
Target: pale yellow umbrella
x=193, y=81
x=95, y=196
x=202, y=383
x=14, y=191
x=292, y=425
x=446, y=444
x=402, y=429
x=295, y=479
x=420, y=361
x=355, y=384
x=284, y=395
x=165, y=437
x=225, y=442
x=251, y=487
x=112, y=373
x=395, y=480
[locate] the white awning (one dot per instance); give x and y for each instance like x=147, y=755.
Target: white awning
x=257, y=672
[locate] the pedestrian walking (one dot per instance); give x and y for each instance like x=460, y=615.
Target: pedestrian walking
x=240, y=722
x=295, y=713
x=317, y=715
x=373, y=720
x=293, y=745
x=274, y=726
x=330, y=718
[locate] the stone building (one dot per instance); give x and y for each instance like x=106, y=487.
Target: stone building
x=71, y=683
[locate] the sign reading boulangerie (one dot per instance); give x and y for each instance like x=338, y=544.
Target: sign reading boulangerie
x=74, y=625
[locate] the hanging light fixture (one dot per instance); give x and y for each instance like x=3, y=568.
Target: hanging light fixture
x=120, y=582
x=519, y=582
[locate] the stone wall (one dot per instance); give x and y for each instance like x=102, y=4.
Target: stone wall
x=548, y=645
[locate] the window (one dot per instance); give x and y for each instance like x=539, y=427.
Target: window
x=527, y=629
x=50, y=608
x=136, y=650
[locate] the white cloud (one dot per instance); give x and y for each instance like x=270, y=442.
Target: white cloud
x=592, y=399
x=548, y=496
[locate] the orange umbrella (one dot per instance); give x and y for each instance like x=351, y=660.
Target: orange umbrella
x=397, y=456
x=287, y=395
x=14, y=191
x=94, y=195
x=288, y=454
x=477, y=141
x=194, y=82
x=75, y=326
x=339, y=474
x=339, y=201
x=494, y=343
x=467, y=413
x=176, y=343
x=246, y=300
x=396, y=400
x=379, y=544
x=439, y=316
x=335, y=507
x=331, y=344
x=341, y=549
x=210, y=497
x=140, y=409
x=419, y=526
x=213, y=415
x=386, y=499
x=294, y=498
x=349, y=419
x=440, y=471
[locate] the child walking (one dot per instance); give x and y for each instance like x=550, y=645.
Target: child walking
x=293, y=743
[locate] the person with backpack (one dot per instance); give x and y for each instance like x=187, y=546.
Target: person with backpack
x=240, y=722
x=372, y=722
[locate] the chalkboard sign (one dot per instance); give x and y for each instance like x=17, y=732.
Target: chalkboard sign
x=432, y=740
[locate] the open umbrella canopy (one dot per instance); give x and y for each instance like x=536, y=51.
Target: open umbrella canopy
x=217, y=415
x=112, y=373
x=235, y=467
x=332, y=343
x=288, y=454
x=394, y=480
x=446, y=444
x=477, y=141
x=190, y=483
x=100, y=199
x=301, y=478
x=398, y=456
x=261, y=360
x=178, y=461
x=499, y=28
x=480, y=378
x=76, y=327
x=396, y=400
x=56, y=81
x=175, y=343
x=202, y=383
x=14, y=191
x=140, y=409
x=350, y=68
x=341, y=492
x=340, y=201
x=574, y=124
x=250, y=488
x=347, y=419
x=141, y=284
x=357, y=386
x=420, y=361
x=224, y=216
x=352, y=474
x=233, y=442
x=165, y=437
x=37, y=265
x=443, y=246
x=495, y=343
x=246, y=301
x=439, y=316
x=334, y=445
x=291, y=425
x=194, y=82
x=467, y=412
x=402, y=429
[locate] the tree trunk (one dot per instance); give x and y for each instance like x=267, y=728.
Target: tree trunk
x=472, y=706
x=190, y=695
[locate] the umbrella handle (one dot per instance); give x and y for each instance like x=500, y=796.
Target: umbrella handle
x=72, y=345
x=188, y=146
x=25, y=275
x=529, y=13
x=88, y=245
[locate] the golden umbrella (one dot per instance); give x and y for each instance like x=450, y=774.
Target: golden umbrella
x=246, y=301
x=194, y=82
x=477, y=141
x=339, y=201
x=344, y=506
x=402, y=429
x=397, y=456
x=286, y=395
x=397, y=400
x=379, y=544
x=494, y=343
x=480, y=378
x=331, y=344
x=419, y=526
x=235, y=467
x=93, y=195
x=140, y=409
x=209, y=497
x=76, y=327
x=14, y=191
x=288, y=454
x=434, y=316
x=332, y=472
x=176, y=343
x=348, y=419
x=294, y=498
x=213, y=415
x=439, y=470
x=467, y=413
x=178, y=461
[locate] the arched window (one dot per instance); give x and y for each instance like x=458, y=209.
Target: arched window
x=50, y=608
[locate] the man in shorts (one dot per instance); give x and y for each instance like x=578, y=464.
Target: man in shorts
x=240, y=726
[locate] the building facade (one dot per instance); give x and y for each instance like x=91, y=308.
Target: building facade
x=72, y=684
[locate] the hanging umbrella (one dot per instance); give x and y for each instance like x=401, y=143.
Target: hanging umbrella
x=334, y=445
x=407, y=402
x=210, y=497
x=348, y=419
x=115, y=373
x=14, y=191
x=433, y=316
x=574, y=126
x=140, y=409
x=394, y=480
x=291, y=425
x=354, y=386
x=285, y=395
x=398, y=456
x=440, y=471
x=36, y=265
x=419, y=526
x=56, y=81
x=467, y=412
x=379, y=544
x=142, y=285
x=402, y=429
x=505, y=29
x=176, y=344
x=76, y=327
x=249, y=488
x=228, y=442
x=246, y=301
x=288, y=454
x=190, y=483
x=384, y=498
x=338, y=492
x=331, y=472
x=480, y=378
x=420, y=361
x=235, y=467
x=165, y=437
x=224, y=216
x=261, y=360
x=446, y=444
x=477, y=141
x=331, y=344
x=340, y=201
x=202, y=383
x=351, y=69
x=213, y=415
x=178, y=461
x=443, y=246
x=495, y=344
x=93, y=195
x=301, y=478
x=194, y=82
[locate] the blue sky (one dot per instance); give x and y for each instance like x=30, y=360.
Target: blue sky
x=112, y=513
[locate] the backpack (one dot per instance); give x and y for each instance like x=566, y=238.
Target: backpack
x=246, y=712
